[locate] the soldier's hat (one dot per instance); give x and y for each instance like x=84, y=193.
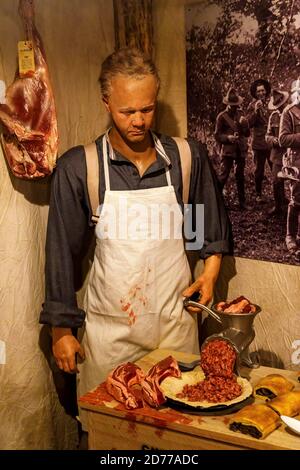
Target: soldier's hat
x=257, y=83
x=278, y=98
x=232, y=98
x=295, y=85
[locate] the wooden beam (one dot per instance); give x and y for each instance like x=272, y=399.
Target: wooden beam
x=133, y=24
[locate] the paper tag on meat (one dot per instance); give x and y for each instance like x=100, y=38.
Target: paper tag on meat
x=2, y=352
x=2, y=92
x=26, y=59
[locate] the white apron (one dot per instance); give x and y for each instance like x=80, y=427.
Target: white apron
x=133, y=301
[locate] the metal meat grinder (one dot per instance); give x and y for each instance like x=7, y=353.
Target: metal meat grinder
x=237, y=329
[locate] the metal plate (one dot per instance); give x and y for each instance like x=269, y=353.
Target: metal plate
x=216, y=410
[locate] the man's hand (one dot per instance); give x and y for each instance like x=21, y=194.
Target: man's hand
x=258, y=105
x=243, y=121
x=233, y=138
x=205, y=283
x=65, y=346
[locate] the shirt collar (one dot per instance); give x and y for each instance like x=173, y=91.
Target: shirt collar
x=157, y=144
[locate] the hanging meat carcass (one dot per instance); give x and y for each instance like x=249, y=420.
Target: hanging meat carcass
x=28, y=116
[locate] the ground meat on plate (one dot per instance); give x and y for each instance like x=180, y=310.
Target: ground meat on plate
x=212, y=389
x=220, y=384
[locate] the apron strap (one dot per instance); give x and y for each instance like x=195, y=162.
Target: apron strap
x=105, y=161
x=186, y=165
x=168, y=176
x=92, y=167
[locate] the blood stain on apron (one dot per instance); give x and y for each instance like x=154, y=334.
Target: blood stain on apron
x=133, y=303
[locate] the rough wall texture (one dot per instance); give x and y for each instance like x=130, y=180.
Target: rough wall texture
x=77, y=36
x=169, y=54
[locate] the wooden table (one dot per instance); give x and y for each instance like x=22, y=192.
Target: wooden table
x=111, y=426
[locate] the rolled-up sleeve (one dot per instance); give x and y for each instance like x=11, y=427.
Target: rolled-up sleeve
x=204, y=190
x=67, y=228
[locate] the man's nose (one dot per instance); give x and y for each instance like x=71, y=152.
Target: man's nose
x=138, y=119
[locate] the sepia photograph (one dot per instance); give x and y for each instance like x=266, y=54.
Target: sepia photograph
x=243, y=70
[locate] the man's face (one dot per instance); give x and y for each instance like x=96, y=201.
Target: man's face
x=132, y=104
x=232, y=108
x=261, y=92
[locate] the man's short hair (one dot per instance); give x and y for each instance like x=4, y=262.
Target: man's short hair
x=127, y=61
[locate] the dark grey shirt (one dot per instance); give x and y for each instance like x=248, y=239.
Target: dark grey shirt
x=70, y=215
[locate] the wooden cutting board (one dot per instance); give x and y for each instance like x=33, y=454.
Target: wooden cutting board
x=112, y=426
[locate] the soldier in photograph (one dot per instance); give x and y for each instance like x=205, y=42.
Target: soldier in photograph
x=258, y=116
x=277, y=104
x=289, y=138
x=232, y=132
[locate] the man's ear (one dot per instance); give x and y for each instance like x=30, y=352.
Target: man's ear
x=105, y=101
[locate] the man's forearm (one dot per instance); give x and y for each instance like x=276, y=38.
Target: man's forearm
x=206, y=281
x=212, y=266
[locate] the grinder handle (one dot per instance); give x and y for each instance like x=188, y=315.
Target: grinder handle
x=192, y=303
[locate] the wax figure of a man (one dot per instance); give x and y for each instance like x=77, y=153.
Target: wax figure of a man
x=133, y=302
